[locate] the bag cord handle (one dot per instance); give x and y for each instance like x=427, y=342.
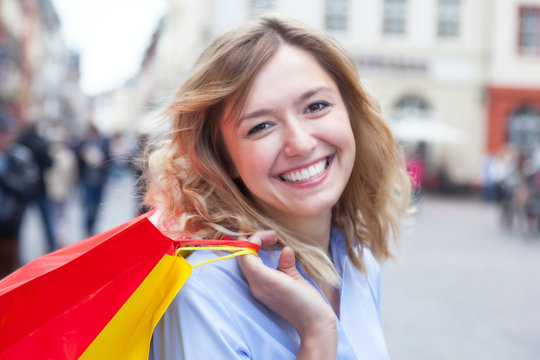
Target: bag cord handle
x=234, y=247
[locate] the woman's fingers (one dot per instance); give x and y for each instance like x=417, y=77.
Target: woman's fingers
x=253, y=268
x=287, y=263
x=262, y=238
x=251, y=264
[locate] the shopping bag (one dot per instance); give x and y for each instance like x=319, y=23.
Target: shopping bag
x=100, y=298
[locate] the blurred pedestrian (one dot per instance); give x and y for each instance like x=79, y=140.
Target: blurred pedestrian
x=61, y=179
x=493, y=175
x=508, y=184
x=19, y=180
x=516, y=191
x=120, y=149
x=93, y=155
x=416, y=166
x=39, y=147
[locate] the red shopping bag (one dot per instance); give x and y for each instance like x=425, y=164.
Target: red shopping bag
x=99, y=297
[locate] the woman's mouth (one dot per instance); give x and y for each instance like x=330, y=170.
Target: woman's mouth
x=306, y=174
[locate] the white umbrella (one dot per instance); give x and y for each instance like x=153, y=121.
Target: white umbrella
x=425, y=130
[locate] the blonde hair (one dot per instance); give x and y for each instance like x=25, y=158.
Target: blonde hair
x=188, y=178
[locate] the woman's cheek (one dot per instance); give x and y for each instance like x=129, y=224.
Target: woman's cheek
x=259, y=156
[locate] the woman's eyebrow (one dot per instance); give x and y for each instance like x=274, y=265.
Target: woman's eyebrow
x=312, y=92
x=253, y=114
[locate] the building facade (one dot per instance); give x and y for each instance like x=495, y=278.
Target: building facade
x=456, y=79
x=513, y=86
x=39, y=76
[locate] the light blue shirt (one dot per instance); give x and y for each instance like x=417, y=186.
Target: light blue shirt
x=214, y=315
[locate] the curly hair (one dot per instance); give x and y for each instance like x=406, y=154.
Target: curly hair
x=187, y=175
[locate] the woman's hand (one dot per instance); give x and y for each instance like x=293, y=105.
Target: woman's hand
x=290, y=295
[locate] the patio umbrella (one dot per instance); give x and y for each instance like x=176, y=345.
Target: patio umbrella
x=425, y=130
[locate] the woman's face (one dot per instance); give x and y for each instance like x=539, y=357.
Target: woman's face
x=292, y=145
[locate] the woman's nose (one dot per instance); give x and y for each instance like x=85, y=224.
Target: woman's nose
x=297, y=138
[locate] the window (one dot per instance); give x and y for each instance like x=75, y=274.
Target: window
x=448, y=18
x=336, y=14
x=411, y=107
x=529, y=30
x=524, y=128
x=414, y=121
x=394, y=17
x=260, y=5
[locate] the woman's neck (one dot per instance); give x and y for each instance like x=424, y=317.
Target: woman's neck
x=315, y=228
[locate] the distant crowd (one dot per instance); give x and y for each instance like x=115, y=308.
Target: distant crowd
x=512, y=179
x=45, y=171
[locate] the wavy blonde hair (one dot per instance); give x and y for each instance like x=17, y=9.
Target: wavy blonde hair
x=187, y=175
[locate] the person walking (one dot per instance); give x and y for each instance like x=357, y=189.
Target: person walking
x=19, y=181
x=61, y=180
x=39, y=147
x=93, y=155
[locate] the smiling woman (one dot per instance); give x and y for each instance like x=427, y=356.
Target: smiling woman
x=294, y=151
x=273, y=139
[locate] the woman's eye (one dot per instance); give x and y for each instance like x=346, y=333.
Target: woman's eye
x=258, y=128
x=316, y=107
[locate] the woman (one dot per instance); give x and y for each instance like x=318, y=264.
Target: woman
x=274, y=139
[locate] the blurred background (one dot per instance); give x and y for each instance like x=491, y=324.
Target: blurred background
x=458, y=82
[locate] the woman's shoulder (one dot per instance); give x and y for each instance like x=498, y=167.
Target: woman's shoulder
x=217, y=273
x=371, y=263
x=371, y=278
x=339, y=251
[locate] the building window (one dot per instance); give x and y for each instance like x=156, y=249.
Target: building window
x=411, y=107
x=394, y=17
x=524, y=128
x=336, y=15
x=414, y=121
x=529, y=30
x=260, y=5
x=448, y=18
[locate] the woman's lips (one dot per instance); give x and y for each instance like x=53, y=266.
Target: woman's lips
x=307, y=173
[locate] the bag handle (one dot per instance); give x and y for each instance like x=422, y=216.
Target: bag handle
x=234, y=247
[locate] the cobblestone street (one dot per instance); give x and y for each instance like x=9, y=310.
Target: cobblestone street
x=461, y=288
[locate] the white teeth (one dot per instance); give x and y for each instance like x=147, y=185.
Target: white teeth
x=305, y=174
